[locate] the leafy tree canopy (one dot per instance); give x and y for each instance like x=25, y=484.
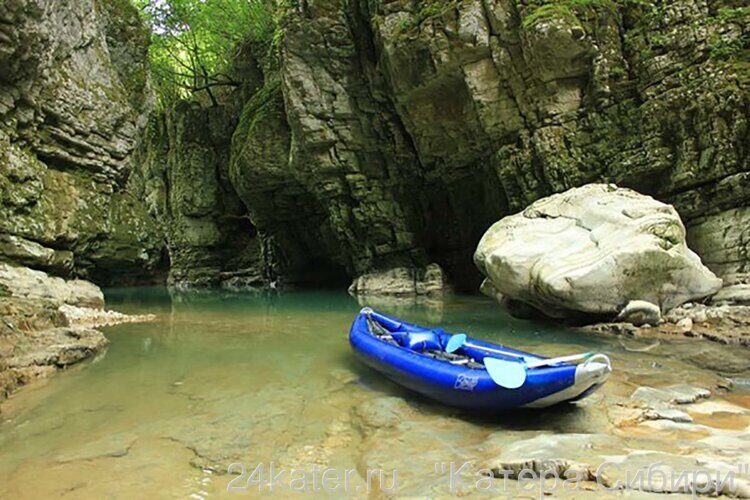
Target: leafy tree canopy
x=192, y=42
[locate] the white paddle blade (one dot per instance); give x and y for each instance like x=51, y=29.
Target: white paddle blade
x=455, y=343
x=506, y=373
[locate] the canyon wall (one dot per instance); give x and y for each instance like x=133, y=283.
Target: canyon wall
x=408, y=127
x=380, y=135
x=74, y=99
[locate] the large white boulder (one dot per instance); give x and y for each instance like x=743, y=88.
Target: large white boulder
x=592, y=250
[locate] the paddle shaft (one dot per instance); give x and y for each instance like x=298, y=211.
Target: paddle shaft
x=561, y=359
x=532, y=364
x=494, y=351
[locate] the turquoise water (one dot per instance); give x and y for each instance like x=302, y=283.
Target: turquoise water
x=221, y=378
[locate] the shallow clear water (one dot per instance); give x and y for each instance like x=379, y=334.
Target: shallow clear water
x=222, y=378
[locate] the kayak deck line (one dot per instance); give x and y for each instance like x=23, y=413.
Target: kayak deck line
x=476, y=375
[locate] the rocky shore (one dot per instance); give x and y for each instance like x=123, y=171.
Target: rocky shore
x=727, y=324
x=47, y=324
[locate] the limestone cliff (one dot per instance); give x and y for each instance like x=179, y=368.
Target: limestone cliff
x=380, y=135
x=183, y=178
x=392, y=134
x=395, y=132
x=74, y=98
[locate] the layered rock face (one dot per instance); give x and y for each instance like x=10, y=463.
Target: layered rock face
x=73, y=100
x=388, y=135
x=408, y=127
x=591, y=251
x=182, y=176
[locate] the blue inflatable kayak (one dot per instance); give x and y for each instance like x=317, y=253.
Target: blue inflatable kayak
x=468, y=373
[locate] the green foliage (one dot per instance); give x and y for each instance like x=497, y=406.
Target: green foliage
x=548, y=12
x=537, y=11
x=729, y=45
x=738, y=14
x=193, y=41
x=619, y=72
x=729, y=48
x=542, y=10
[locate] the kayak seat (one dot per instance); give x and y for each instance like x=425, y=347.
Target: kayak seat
x=420, y=341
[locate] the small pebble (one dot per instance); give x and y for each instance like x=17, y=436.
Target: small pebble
x=685, y=325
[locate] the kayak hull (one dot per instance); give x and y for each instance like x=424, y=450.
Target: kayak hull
x=467, y=387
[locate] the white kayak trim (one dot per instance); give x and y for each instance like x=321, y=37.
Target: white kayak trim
x=594, y=371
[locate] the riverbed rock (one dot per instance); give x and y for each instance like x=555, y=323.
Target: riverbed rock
x=58, y=348
x=46, y=324
x=92, y=317
x=724, y=323
x=381, y=413
x=576, y=456
x=732, y=363
x=676, y=394
x=640, y=313
x=590, y=251
x=37, y=339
